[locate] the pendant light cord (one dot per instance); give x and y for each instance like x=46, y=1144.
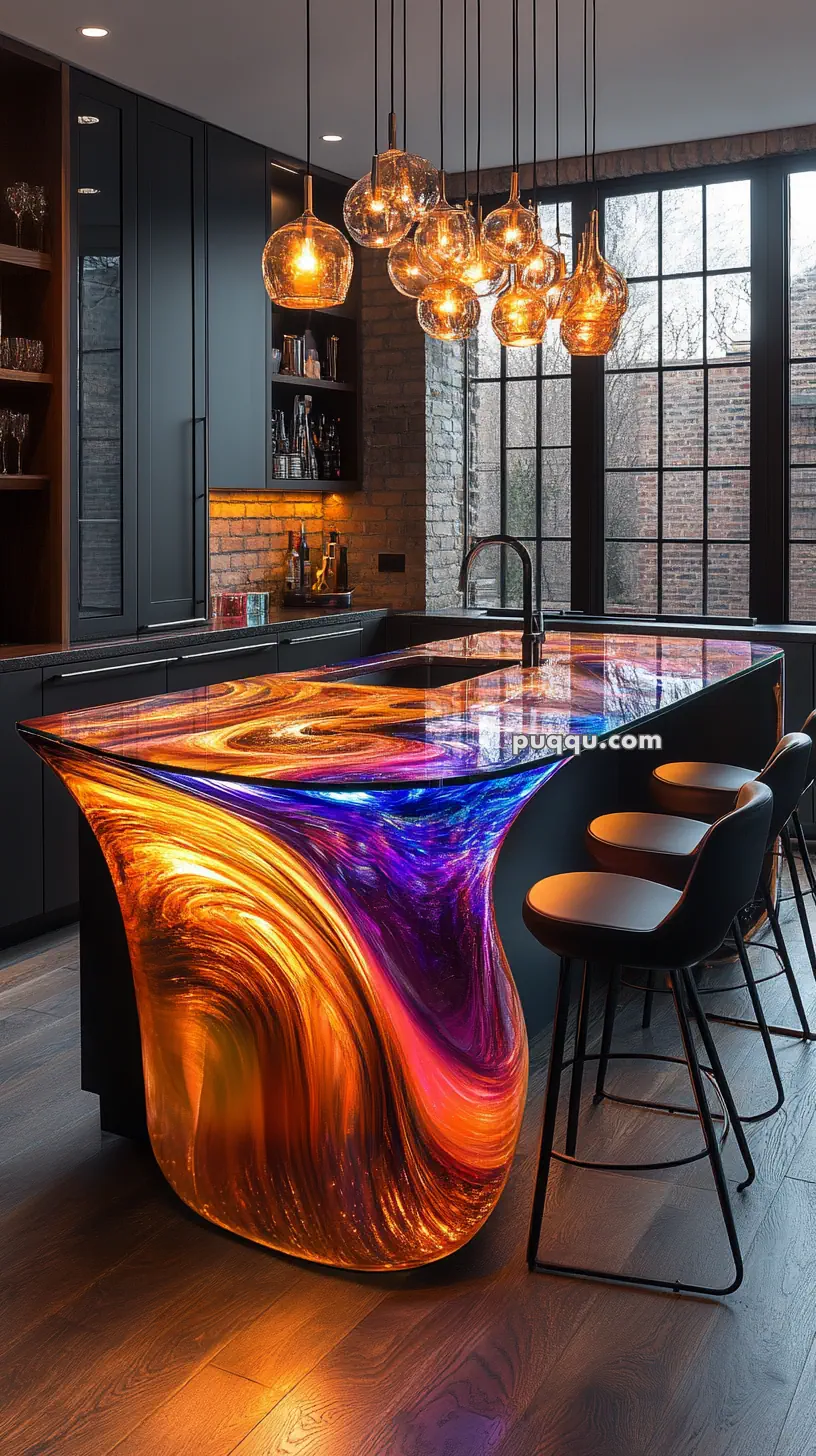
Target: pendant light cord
x=586, y=102
x=465, y=95
x=557, y=116
x=377, y=67
x=308, y=87
x=594, y=81
x=515, y=84
x=478, y=105
x=535, y=107
x=441, y=86
x=405, y=75
x=392, y=58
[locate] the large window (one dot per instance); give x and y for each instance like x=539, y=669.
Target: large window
x=677, y=477
x=802, y=399
x=678, y=402
x=520, y=419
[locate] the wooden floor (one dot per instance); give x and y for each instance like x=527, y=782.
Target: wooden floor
x=129, y=1325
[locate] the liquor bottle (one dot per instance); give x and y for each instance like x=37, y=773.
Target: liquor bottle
x=305, y=561
x=331, y=561
x=292, y=565
x=342, y=584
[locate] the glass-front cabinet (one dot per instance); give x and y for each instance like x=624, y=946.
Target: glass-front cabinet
x=103, y=122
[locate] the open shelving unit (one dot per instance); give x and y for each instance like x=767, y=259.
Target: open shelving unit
x=33, y=574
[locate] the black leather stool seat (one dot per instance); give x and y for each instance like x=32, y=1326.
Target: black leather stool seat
x=704, y=789
x=651, y=846
x=592, y=914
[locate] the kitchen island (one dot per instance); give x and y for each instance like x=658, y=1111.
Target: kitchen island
x=319, y=877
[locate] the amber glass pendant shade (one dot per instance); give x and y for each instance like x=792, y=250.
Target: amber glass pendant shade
x=411, y=181
x=448, y=310
x=307, y=263
x=405, y=270
x=445, y=239
x=555, y=292
x=540, y=268
x=483, y=274
x=374, y=217
x=595, y=299
x=519, y=315
x=510, y=232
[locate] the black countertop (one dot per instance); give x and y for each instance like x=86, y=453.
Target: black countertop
x=48, y=654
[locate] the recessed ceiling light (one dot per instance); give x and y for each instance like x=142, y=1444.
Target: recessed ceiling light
x=87, y=120
x=88, y=191
x=93, y=32
x=331, y=136
x=294, y=170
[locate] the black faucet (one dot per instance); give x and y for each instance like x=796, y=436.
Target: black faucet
x=531, y=635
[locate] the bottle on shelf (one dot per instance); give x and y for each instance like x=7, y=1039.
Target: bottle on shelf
x=292, y=565
x=342, y=578
x=305, y=563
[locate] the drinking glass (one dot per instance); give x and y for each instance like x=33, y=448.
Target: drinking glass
x=19, y=429
x=38, y=210
x=17, y=198
x=5, y=426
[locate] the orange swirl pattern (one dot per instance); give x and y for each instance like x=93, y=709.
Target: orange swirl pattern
x=334, y=1052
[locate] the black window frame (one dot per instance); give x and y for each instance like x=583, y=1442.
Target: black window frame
x=769, y=465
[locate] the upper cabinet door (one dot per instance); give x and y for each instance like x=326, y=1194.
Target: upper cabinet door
x=171, y=373
x=103, y=345
x=238, y=311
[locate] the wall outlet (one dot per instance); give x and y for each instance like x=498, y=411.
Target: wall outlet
x=391, y=561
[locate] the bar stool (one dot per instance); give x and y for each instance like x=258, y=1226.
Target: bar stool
x=808, y=727
x=704, y=790
x=663, y=847
x=593, y=916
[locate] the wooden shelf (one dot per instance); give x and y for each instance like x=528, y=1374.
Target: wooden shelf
x=25, y=258
x=306, y=487
x=303, y=381
x=24, y=376
x=23, y=482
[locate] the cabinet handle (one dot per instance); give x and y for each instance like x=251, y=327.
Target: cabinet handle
x=227, y=651
x=117, y=667
x=317, y=637
x=182, y=622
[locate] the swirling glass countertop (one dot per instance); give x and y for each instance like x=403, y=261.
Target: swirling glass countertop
x=312, y=727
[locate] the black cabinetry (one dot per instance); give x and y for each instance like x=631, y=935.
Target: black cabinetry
x=237, y=311
x=320, y=648
x=21, y=790
x=199, y=669
x=172, y=424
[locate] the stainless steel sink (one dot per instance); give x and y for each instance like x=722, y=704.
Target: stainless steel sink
x=425, y=671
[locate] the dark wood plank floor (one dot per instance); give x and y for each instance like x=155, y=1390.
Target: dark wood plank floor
x=129, y=1325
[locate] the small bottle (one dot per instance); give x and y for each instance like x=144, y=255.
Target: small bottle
x=331, y=561
x=305, y=574
x=292, y=565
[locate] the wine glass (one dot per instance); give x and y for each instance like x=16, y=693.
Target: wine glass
x=19, y=429
x=5, y=426
x=17, y=198
x=38, y=211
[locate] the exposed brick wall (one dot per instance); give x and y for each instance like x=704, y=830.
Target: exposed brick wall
x=444, y=471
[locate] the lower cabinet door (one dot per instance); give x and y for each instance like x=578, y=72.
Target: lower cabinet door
x=200, y=669
x=65, y=688
x=21, y=789
x=321, y=648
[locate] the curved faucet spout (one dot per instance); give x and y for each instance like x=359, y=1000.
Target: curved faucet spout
x=530, y=639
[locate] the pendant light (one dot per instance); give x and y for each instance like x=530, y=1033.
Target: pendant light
x=407, y=274
x=540, y=268
x=411, y=180
x=485, y=275
x=375, y=217
x=509, y=233
x=520, y=315
x=307, y=263
x=445, y=239
x=596, y=296
x=555, y=293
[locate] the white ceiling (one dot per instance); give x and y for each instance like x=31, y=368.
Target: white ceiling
x=667, y=71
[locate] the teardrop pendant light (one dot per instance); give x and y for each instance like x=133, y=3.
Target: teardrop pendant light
x=540, y=268
x=374, y=215
x=596, y=296
x=509, y=233
x=482, y=273
x=307, y=263
x=445, y=239
x=520, y=315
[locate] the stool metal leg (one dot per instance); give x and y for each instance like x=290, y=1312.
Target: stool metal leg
x=648, y=1000
x=577, y=1079
x=722, y=1081
x=800, y=901
x=610, y=1009
x=554, y=1071
x=784, y=957
x=804, y=850
x=748, y=972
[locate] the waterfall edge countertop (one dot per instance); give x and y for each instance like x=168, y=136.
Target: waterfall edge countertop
x=322, y=727
x=330, y=1055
